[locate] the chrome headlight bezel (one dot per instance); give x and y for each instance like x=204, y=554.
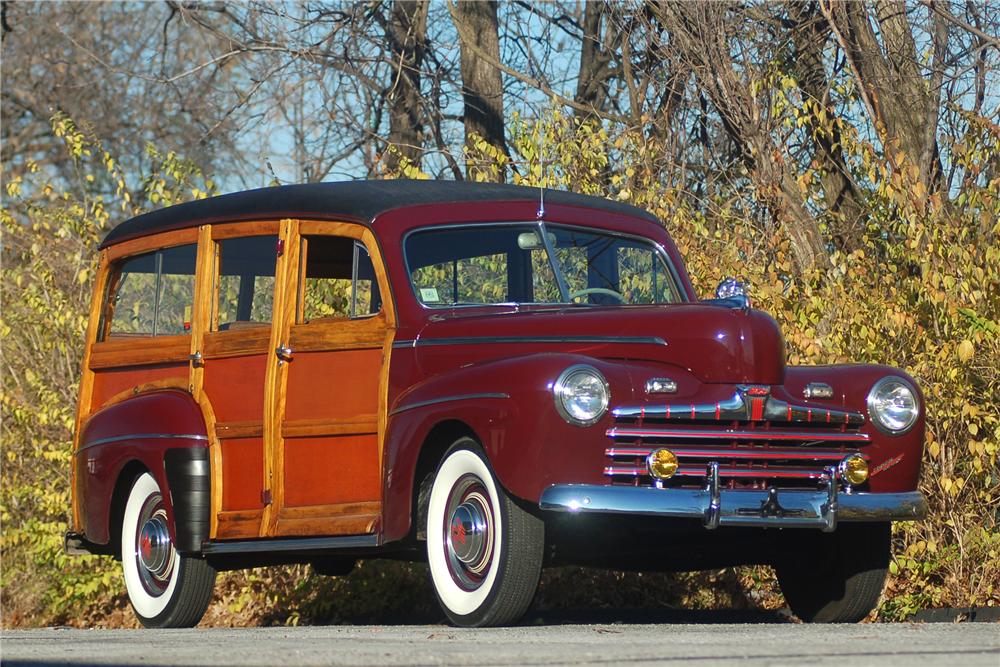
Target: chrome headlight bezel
x=564, y=385
x=873, y=406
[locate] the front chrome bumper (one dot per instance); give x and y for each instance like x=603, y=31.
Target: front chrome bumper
x=771, y=508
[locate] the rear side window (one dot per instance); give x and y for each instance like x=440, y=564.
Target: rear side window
x=245, y=282
x=151, y=294
x=339, y=279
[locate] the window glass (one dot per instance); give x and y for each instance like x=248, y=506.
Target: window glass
x=176, y=293
x=152, y=294
x=476, y=265
x=482, y=264
x=602, y=269
x=339, y=279
x=246, y=281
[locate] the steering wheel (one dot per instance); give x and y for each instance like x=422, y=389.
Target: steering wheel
x=596, y=290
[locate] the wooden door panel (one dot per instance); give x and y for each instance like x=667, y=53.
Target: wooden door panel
x=234, y=385
x=243, y=471
x=333, y=384
x=331, y=470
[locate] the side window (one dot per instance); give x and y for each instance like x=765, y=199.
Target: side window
x=245, y=282
x=642, y=277
x=151, y=294
x=339, y=279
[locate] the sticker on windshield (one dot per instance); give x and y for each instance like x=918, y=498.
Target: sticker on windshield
x=429, y=295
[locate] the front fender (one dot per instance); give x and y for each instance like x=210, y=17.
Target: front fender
x=894, y=460
x=509, y=406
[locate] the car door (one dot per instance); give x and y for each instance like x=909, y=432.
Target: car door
x=331, y=363
x=233, y=358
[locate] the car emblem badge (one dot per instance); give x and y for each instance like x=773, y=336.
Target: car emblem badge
x=458, y=531
x=757, y=394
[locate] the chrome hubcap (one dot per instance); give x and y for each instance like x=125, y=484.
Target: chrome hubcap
x=468, y=530
x=154, y=544
x=469, y=533
x=154, y=552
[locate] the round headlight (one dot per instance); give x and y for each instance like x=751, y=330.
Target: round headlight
x=581, y=394
x=893, y=405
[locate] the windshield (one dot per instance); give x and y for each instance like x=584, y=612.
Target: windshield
x=516, y=263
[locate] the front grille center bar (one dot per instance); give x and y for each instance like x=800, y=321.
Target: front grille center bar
x=619, y=432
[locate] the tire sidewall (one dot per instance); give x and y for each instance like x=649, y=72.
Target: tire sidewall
x=150, y=609
x=464, y=607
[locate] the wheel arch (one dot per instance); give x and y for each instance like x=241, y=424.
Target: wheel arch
x=162, y=432
x=441, y=437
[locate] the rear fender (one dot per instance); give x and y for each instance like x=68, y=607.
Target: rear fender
x=162, y=431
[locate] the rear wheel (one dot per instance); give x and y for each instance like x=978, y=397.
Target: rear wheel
x=166, y=589
x=484, y=551
x=839, y=578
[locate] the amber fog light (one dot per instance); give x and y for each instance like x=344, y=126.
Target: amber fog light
x=854, y=469
x=662, y=463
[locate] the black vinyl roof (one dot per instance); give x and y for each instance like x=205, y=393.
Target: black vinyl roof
x=351, y=200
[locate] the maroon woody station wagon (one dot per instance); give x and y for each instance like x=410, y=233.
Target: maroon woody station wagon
x=471, y=375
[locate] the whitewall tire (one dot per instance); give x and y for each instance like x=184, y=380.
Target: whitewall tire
x=166, y=589
x=484, y=551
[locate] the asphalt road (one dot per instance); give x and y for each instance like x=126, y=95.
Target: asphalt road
x=631, y=644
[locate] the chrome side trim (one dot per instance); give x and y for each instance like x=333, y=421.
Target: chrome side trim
x=481, y=340
x=143, y=436
x=293, y=544
x=774, y=508
x=446, y=399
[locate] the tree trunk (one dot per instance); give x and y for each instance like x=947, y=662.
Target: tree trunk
x=701, y=33
x=406, y=33
x=592, y=78
x=903, y=104
x=482, y=87
x=810, y=34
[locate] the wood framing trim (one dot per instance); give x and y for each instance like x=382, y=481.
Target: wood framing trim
x=308, y=428
x=86, y=393
x=238, y=229
x=236, y=524
x=236, y=343
x=351, y=230
x=358, y=518
x=375, y=253
x=276, y=372
x=145, y=351
x=242, y=429
x=332, y=510
x=150, y=243
x=341, y=334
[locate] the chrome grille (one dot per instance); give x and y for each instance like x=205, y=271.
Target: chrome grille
x=757, y=441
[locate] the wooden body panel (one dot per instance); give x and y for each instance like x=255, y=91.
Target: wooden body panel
x=331, y=470
x=109, y=384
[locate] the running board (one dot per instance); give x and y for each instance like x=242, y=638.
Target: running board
x=291, y=544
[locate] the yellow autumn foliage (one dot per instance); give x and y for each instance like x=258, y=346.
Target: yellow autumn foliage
x=920, y=290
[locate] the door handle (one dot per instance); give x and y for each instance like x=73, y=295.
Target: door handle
x=283, y=352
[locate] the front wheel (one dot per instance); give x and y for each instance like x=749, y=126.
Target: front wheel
x=839, y=577
x=484, y=551
x=166, y=589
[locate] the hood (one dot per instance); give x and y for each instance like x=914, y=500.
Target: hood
x=716, y=344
